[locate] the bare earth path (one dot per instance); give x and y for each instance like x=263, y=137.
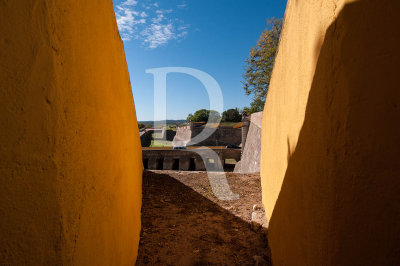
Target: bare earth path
x=183, y=223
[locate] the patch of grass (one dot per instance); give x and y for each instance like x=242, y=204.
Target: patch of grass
x=230, y=161
x=173, y=128
x=161, y=143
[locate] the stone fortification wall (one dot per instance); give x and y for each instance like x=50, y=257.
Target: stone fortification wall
x=222, y=136
x=250, y=161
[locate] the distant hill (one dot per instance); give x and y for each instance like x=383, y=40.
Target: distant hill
x=167, y=122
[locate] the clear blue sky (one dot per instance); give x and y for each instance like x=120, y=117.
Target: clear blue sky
x=214, y=36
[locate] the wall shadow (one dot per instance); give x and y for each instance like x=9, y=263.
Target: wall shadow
x=339, y=202
x=220, y=136
x=182, y=227
x=147, y=137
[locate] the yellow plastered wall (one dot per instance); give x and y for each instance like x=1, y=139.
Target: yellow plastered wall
x=70, y=155
x=331, y=135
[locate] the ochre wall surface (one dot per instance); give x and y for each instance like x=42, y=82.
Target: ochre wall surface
x=330, y=161
x=70, y=157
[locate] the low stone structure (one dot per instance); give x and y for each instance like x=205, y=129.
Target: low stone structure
x=250, y=161
x=186, y=160
x=182, y=137
x=258, y=221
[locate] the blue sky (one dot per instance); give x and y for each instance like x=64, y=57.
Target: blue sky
x=214, y=36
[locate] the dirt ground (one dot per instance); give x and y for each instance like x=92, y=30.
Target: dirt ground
x=183, y=223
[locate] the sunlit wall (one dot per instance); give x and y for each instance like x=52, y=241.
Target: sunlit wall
x=70, y=156
x=331, y=134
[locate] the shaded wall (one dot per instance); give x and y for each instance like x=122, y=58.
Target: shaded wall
x=250, y=161
x=331, y=135
x=70, y=157
x=147, y=136
x=187, y=160
x=221, y=136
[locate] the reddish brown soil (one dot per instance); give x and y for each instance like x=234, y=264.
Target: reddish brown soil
x=183, y=223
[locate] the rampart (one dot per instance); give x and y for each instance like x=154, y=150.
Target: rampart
x=185, y=160
x=251, y=151
x=221, y=136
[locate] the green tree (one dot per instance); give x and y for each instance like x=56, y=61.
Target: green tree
x=141, y=125
x=189, y=118
x=204, y=115
x=259, y=64
x=255, y=106
x=231, y=115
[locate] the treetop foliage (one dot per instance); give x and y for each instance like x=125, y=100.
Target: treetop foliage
x=203, y=115
x=259, y=65
x=231, y=115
